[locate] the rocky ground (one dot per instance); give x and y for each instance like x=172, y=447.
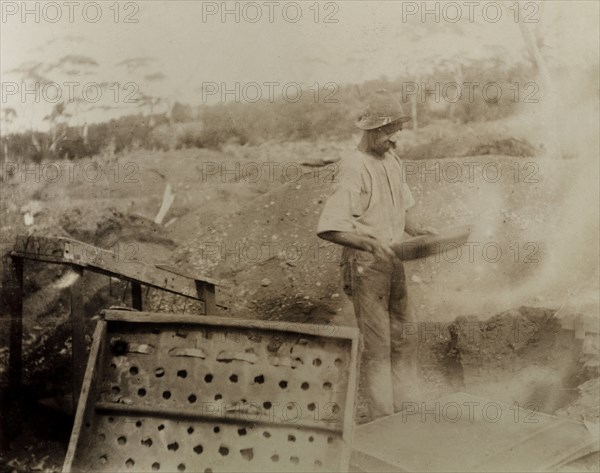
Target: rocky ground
x=495, y=318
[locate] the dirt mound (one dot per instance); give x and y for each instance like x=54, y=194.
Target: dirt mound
x=269, y=255
x=507, y=147
x=521, y=356
x=276, y=266
x=112, y=227
x=445, y=140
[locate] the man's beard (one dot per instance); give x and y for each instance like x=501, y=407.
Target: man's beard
x=385, y=147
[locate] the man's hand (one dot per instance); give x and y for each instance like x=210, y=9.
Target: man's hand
x=416, y=230
x=413, y=228
x=352, y=240
x=426, y=231
x=381, y=251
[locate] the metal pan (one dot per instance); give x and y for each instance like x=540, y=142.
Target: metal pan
x=427, y=245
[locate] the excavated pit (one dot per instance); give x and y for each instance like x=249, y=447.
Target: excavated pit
x=521, y=356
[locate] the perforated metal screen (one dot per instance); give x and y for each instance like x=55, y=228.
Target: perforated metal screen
x=176, y=393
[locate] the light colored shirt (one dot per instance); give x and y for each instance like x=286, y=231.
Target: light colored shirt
x=369, y=197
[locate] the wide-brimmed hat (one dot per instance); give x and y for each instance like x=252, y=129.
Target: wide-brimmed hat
x=383, y=108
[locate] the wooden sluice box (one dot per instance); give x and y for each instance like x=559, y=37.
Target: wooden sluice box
x=168, y=392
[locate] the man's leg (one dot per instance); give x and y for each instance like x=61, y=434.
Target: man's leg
x=370, y=295
x=404, y=341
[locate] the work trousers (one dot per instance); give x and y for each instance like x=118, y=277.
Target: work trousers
x=387, y=323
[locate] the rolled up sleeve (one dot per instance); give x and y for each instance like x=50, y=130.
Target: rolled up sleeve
x=343, y=202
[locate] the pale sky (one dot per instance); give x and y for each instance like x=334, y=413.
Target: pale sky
x=369, y=40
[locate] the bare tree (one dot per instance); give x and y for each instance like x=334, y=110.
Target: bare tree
x=58, y=120
x=145, y=70
x=8, y=116
x=38, y=74
x=534, y=40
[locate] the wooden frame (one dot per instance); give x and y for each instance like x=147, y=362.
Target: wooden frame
x=80, y=257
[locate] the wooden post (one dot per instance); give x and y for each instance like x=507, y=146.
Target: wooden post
x=12, y=298
x=136, y=295
x=206, y=292
x=94, y=359
x=78, y=334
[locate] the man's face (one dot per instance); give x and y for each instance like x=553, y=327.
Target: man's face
x=384, y=140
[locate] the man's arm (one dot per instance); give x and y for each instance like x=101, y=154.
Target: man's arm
x=359, y=242
x=413, y=228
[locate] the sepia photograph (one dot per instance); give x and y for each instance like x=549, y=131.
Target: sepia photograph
x=299, y=236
